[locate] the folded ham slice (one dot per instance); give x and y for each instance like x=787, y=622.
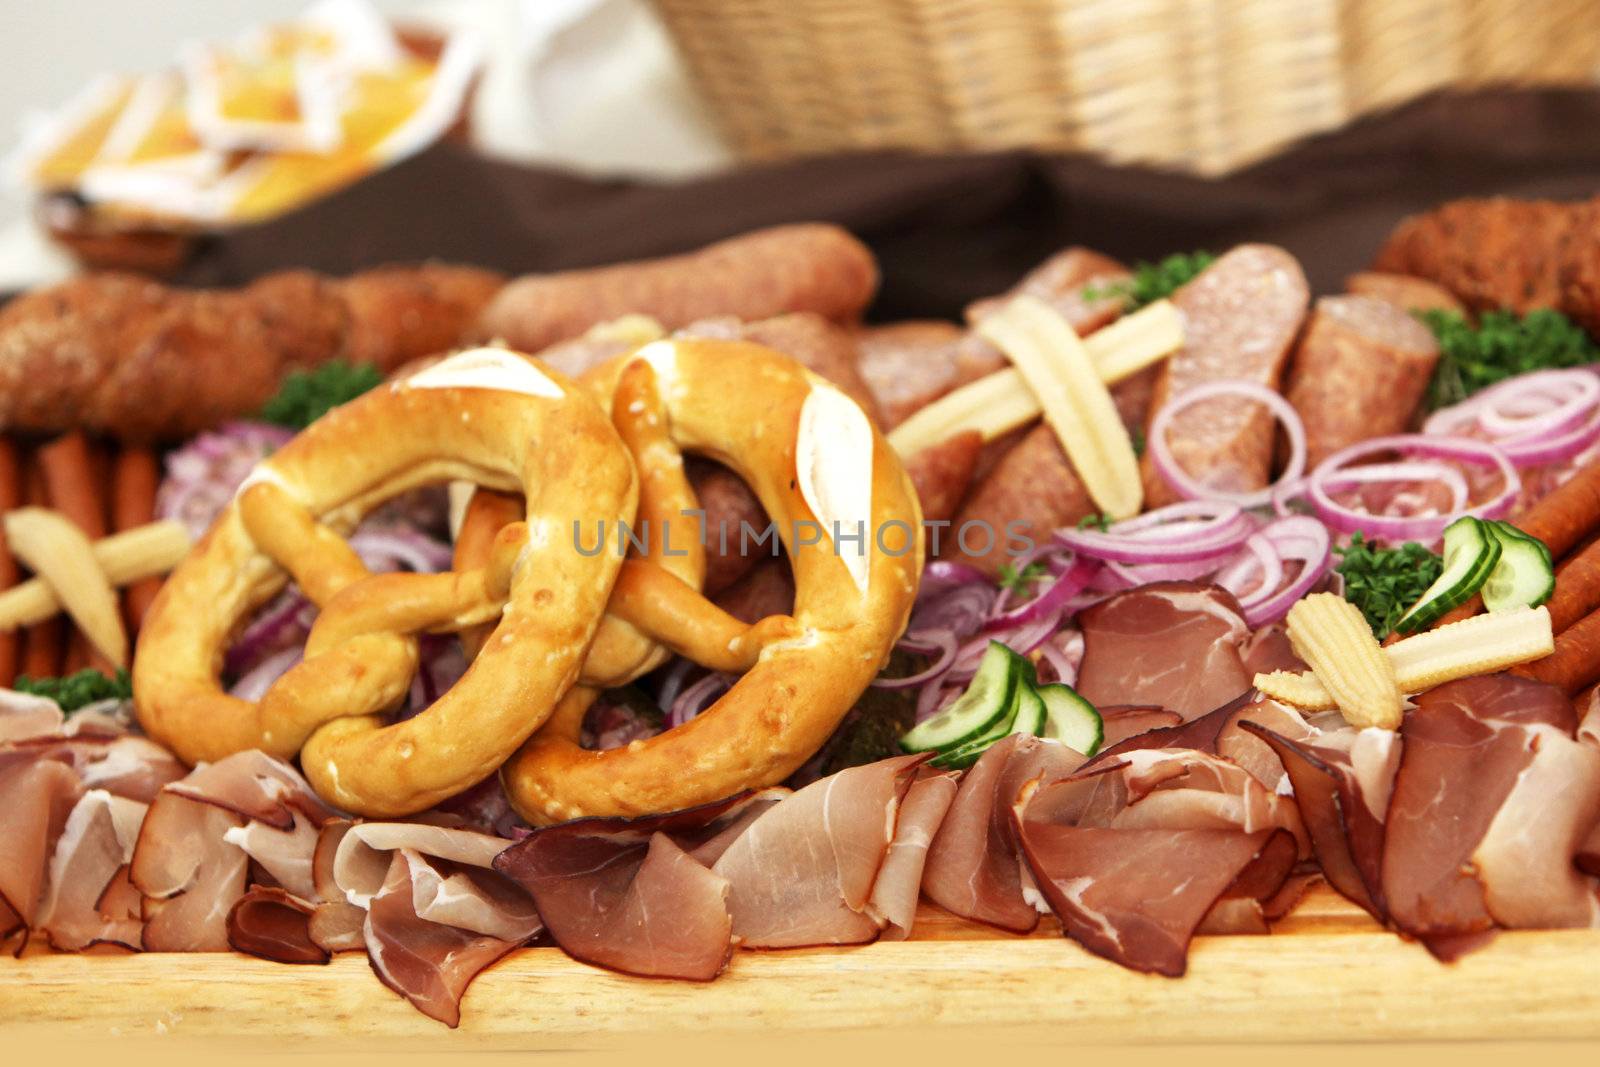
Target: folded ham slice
x=804, y=872
x=94, y=848
x=1175, y=645
x=274, y=924
x=973, y=869
x=1132, y=855
x=1491, y=803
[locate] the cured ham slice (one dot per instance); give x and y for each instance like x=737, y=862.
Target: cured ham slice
x=1121, y=723
x=1342, y=782
x=428, y=963
x=973, y=869
x=622, y=893
x=36, y=798
x=185, y=864
x=893, y=904
x=272, y=923
x=803, y=873
x=24, y=716
x=93, y=850
x=1174, y=645
x=1133, y=855
x=1492, y=802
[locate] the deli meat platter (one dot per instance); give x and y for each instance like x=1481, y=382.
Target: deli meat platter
x=1163, y=652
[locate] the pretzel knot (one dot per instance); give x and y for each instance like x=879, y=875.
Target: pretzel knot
x=852, y=527
x=488, y=416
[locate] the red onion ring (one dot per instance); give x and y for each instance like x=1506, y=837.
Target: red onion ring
x=1167, y=465
x=1152, y=539
x=695, y=698
x=941, y=641
x=1426, y=529
x=1298, y=537
x=1068, y=584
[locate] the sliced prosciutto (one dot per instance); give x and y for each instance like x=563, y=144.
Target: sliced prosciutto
x=1173, y=645
x=1133, y=855
x=803, y=873
x=622, y=893
x=1492, y=802
x=893, y=904
x=973, y=868
x=92, y=854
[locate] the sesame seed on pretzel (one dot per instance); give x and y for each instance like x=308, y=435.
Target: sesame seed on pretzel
x=819, y=468
x=489, y=416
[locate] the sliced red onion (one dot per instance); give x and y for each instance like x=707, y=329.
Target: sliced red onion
x=254, y=685
x=941, y=642
x=1153, y=538
x=1169, y=468
x=1426, y=529
x=695, y=698
x=962, y=610
x=1063, y=661
x=1068, y=584
x=1256, y=574
x=1369, y=474
x=1298, y=537
x=383, y=549
x=672, y=680
x=942, y=574
x=1136, y=574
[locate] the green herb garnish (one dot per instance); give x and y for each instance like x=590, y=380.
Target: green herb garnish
x=1385, y=582
x=1137, y=437
x=1153, y=281
x=306, y=396
x=1098, y=521
x=1019, y=581
x=871, y=730
x=1501, y=346
x=78, y=690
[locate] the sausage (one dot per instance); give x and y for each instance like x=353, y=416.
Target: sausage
x=1359, y=372
x=807, y=267
x=728, y=503
x=135, y=477
x=908, y=365
x=1405, y=291
x=1240, y=317
x=1061, y=281
x=1035, y=486
x=768, y=589
x=941, y=474
x=10, y=497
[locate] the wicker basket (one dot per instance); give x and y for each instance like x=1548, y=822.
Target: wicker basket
x=1202, y=85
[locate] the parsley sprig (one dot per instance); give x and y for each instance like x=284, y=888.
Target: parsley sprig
x=1019, y=581
x=1154, y=281
x=78, y=690
x=306, y=396
x=1501, y=346
x=1385, y=582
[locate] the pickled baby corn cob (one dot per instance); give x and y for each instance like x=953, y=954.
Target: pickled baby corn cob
x=1482, y=644
x=1331, y=634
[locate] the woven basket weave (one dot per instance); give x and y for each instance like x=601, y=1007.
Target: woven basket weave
x=1202, y=85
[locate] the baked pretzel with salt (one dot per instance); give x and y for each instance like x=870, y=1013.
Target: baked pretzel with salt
x=489, y=416
x=850, y=521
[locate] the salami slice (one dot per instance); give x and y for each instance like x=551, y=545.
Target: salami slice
x=1359, y=372
x=1240, y=317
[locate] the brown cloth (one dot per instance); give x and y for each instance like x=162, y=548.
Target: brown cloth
x=949, y=229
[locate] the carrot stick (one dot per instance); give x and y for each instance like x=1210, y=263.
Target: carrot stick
x=10, y=497
x=72, y=486
x=135, y=475
x=43, y=644
x=1575, y=662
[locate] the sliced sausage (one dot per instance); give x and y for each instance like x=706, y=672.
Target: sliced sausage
x=806, y=267
x=1404, y=291
x=1359, y=372
x=1062, y=280
x=908, y=365
x=941, y=473
x=1240, y=317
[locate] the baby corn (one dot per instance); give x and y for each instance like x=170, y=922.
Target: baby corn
x=57, y=551
x=1482, y=644
x=1331, y=634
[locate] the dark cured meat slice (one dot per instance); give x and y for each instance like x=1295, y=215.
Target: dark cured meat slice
x=973, y=868
x=1123, y=722
x=1201, y=734
x=1175, y=645
x=270, y=922
x=1345, y=833
x=589, y=877
x=429, y=964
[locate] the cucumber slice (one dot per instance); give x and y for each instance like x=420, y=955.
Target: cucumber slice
x=1025, y=716
x=1031, y=717
x=989, y=700
x=1071, y=719
x=1471, y=551
x=1525, y=575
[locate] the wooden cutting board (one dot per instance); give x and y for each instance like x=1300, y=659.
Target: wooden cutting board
x=1328, y=972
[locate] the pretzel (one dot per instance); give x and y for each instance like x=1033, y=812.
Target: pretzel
x=811, y=456
x=489, y=416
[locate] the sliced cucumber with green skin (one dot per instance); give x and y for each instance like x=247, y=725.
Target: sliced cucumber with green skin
x=1071, y=719
x=989, y=700
x=1525, y=575
x=1471, y=551
x=1025, y=717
